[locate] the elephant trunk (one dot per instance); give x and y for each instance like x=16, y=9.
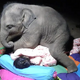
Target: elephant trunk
x=4, y=36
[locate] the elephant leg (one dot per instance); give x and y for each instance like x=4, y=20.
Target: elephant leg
x=57, y=51
x=66, y=61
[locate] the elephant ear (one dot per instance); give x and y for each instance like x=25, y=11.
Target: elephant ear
x=27, y=17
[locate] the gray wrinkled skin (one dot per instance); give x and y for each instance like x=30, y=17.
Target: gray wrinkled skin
x=36, y=25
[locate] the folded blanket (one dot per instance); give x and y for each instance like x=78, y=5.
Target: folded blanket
x=34, y=72
x=59, y=69
x=39, y=55
x=2, y=50
x=76, y=56
x=78, y=72
x=68, y=76
x=7, y=75
x=76, y=46
x=74, y=75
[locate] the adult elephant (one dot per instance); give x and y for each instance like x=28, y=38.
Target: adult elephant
x=36, y=25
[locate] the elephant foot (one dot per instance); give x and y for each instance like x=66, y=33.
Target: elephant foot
x=72, y=68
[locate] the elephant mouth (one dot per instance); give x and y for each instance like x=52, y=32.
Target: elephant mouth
x=15, y=39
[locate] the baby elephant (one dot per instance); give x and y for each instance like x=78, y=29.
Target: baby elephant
x=36, y=25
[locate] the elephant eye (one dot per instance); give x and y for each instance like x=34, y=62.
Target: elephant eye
x=9, y=26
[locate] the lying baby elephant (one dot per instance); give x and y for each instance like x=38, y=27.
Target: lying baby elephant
x=36, y=25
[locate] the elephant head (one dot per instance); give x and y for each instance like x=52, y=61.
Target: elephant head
x=14, y=21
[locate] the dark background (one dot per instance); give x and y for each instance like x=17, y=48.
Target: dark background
x=71, y=7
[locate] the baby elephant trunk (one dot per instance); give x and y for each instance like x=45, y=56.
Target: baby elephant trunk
x=4, y=36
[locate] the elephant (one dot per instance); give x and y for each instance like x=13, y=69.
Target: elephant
x=36, y=25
